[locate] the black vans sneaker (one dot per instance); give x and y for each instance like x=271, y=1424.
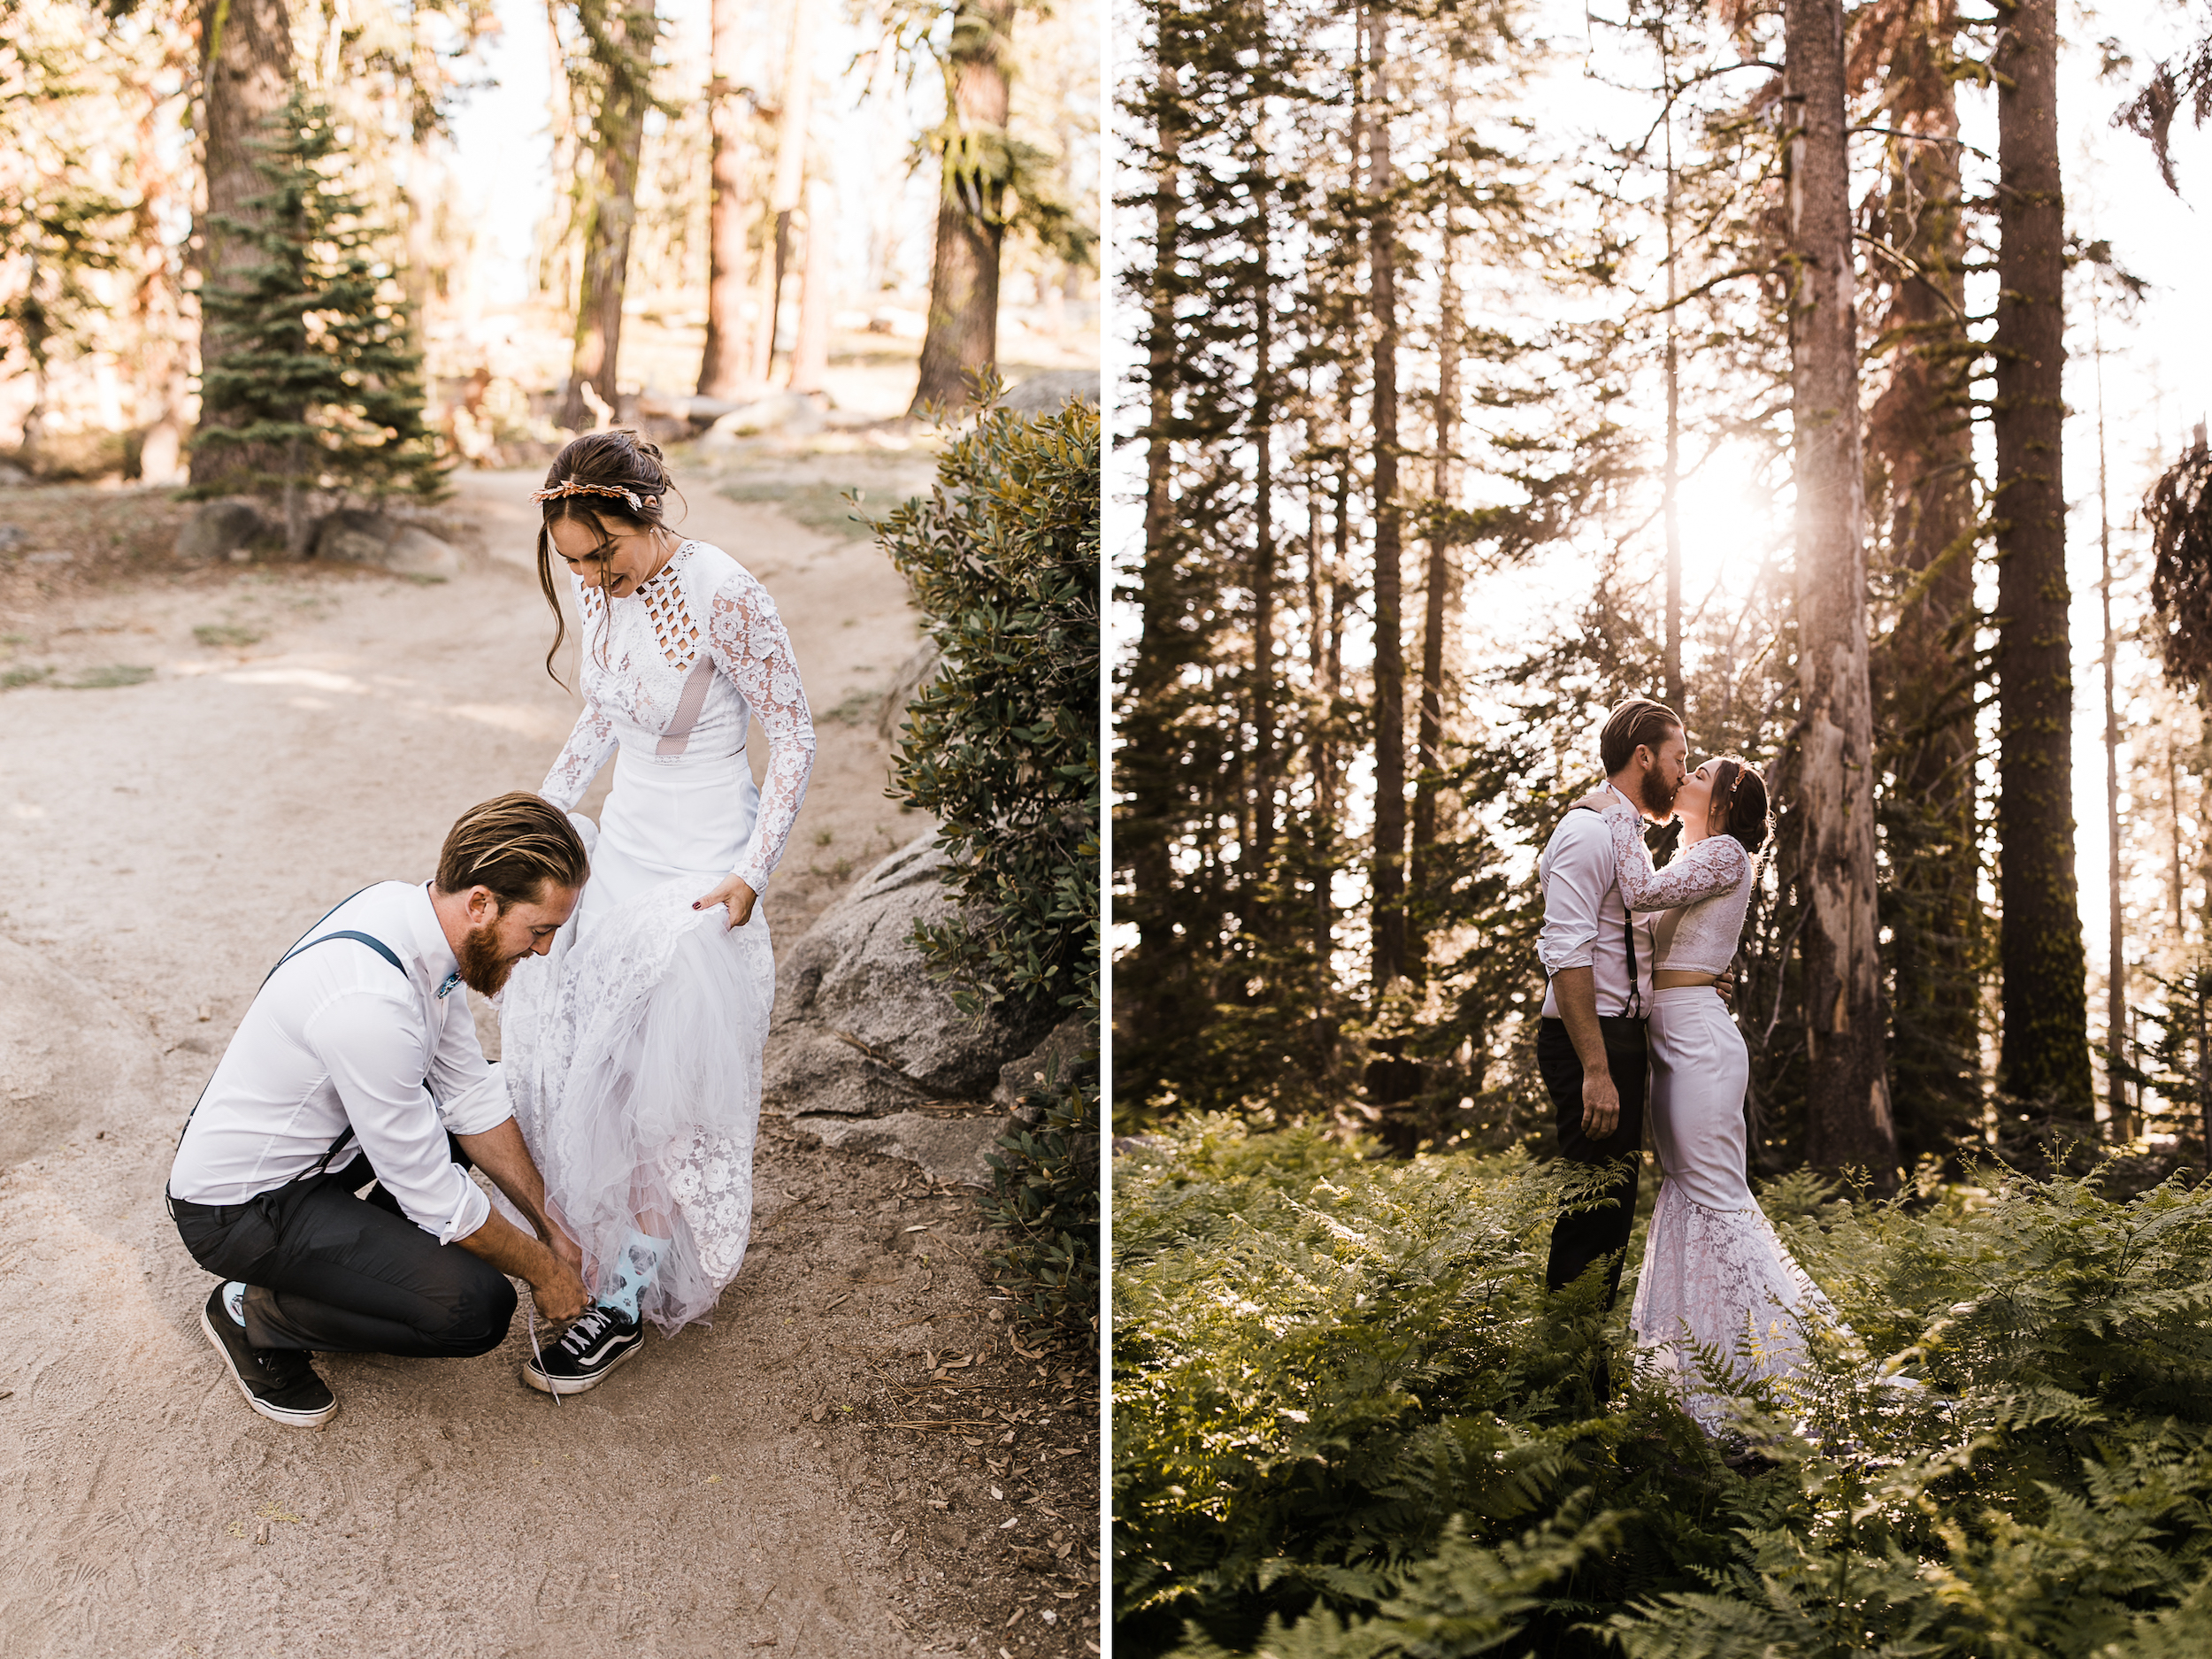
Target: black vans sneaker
x=594, y=1346
x=279, y=1383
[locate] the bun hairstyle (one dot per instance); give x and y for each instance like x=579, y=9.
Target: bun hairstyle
x=600, y=479
x=1740, y=804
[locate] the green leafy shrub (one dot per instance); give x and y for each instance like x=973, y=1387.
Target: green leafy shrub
x=1002, y=746
x=1347, y=1422
x=1045, y=1198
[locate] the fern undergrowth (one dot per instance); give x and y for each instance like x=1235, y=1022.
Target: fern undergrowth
x=1348, y=1421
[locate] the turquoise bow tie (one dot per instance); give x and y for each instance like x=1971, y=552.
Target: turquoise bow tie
x=451, y=979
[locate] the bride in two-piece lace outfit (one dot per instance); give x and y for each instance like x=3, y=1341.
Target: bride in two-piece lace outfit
x=632, y=1048
x=1714, y=1274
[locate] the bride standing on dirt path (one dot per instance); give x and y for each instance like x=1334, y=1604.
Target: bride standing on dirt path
x=633, y=1049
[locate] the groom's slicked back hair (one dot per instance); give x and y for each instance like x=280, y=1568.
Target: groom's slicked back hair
x=1638, y=720
x=513, y=844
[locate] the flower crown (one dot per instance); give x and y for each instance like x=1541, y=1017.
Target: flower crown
x=570, y=486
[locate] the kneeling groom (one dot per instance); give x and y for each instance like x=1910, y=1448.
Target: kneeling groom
x=355, y=1047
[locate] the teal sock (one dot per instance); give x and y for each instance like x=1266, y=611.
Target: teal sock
x=634, y=1271
x=234, y=1302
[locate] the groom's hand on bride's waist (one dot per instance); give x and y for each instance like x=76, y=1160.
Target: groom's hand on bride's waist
x=1726, y=986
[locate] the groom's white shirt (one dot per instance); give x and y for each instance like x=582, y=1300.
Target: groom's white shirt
x=337, y=1036
x=1584, y=917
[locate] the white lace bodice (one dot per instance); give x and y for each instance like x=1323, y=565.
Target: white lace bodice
x=672, y=675
x=1705, y=892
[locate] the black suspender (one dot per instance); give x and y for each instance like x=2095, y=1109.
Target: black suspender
x=1635, y=1009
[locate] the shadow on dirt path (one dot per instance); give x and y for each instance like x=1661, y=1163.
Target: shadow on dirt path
x=857, y=1458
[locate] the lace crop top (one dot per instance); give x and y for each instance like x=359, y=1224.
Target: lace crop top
x=1705, y=893
x=679, y=669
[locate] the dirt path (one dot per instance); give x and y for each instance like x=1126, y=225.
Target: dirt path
x=745, y=1488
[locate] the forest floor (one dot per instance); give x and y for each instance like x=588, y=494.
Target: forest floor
x=858, y=1456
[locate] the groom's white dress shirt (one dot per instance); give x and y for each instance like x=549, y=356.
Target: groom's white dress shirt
x=1584, y=920
x=339, y=1036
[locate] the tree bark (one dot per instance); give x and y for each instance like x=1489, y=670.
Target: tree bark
x=1921, y=451
x=1263, y=585
x=809, y=361
x=2044, y=1057
x=793, y=115
x=245, y=70
x=1436, y=585
x=726, y=362
x=1831, y=773
x=962, y=333
x=621, y=44
x=1671, y=480
x=2120, y=1120
x=1389, y=875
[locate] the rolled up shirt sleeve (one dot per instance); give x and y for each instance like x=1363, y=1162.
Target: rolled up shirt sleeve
x=377, y=1066
x=471, y=1091
x=1577, y=868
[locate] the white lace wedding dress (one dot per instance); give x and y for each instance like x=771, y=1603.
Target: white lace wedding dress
x=1714, y=1276
x=632, y=1049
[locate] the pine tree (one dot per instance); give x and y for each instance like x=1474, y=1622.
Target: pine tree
x=1830, y=772
x=245, y=64
x=615, y=79
x=2044, y=1063
x=319, y=389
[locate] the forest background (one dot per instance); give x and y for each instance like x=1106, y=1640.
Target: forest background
x=1533, y=167
x=1484, y=365
x=696, y=206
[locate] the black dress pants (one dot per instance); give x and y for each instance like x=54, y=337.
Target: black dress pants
x=1579, y=1239
x=329, y=1272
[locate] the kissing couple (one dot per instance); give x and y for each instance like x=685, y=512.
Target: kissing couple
x=1636, y=1016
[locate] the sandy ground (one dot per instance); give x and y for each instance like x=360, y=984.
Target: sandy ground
x=858, y=1456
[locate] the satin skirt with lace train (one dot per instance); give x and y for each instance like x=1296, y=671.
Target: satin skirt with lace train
x=632, y=1052
x=1715, y=1275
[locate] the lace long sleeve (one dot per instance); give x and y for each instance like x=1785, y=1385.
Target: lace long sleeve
x=1715, y=866
x=590, y=741
x=750, y=646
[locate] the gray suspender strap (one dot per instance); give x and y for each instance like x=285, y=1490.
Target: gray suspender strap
x=322, y=1165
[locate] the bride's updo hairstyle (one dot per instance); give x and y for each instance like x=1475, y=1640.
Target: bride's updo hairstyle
x=600, y=479
x=1740, y=804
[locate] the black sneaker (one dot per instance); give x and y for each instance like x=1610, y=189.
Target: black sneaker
x=279, y=1383
x=594, y=1346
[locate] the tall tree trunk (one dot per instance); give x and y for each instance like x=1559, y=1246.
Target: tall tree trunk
x=620, y=41
x=809, y=362
x=1141, y=829
x=2044, y=1057
x=726, y=364
x=1263, y=583
x=1671, y=483
x=1437, y=584
x=245, y=71
x=962, y=333
x=1847, y=1089
x=793, y=115
x=1921, y=449
x=2120, y=1120
x=1389, y=875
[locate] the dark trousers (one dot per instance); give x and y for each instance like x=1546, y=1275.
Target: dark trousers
x=326, y=1270
x=1579, y=1239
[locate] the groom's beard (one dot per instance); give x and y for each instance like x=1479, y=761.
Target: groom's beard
x=483, y=970
x=1658, y=796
